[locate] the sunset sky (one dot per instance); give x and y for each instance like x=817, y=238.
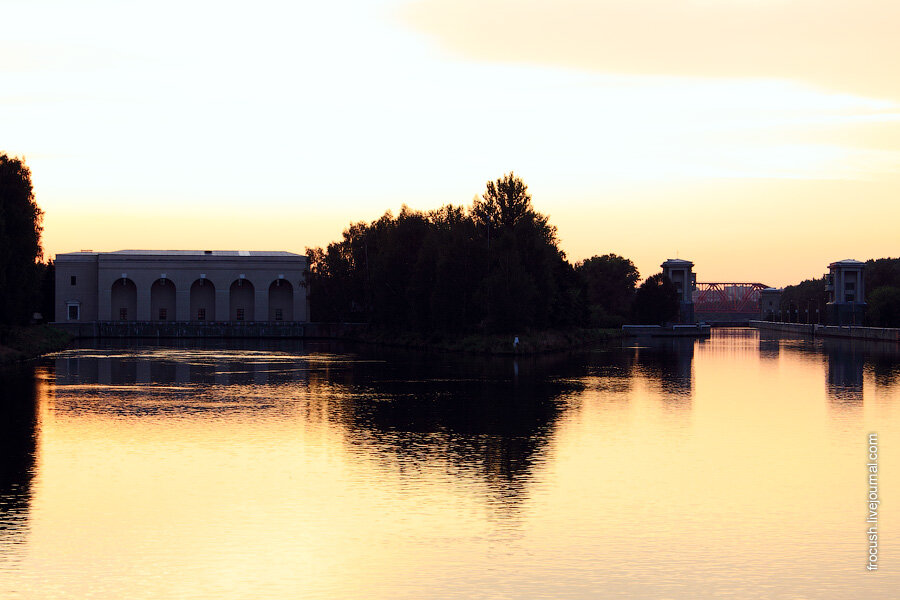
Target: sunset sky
x=758, y=138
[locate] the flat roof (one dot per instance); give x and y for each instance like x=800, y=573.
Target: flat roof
x=677, y=262
x=849, y=262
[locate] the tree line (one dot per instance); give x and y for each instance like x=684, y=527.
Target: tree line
x=493, y=267
x=26, y=284
x=881, y=279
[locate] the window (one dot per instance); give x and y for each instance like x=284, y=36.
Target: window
x=201, y=314
x=279, y=315
x=850, y=297
x=240, y=314
x=123, y=314
x=72, y=280
x=74, y=312
x=162, y=314
x=850, y=286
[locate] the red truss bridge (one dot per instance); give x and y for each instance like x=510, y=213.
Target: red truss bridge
x=732, y=298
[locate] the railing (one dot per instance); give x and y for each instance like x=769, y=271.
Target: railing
x=730, y=297
x=201, y=322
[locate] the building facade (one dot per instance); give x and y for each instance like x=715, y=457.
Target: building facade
x=770, y=304
x=681, y=274
x=845, y=286
x=181, y=285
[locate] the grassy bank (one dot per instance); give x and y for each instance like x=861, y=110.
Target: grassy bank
x=530, y=342
x=20, y=343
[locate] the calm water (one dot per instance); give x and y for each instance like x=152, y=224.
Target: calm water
x=732, y=467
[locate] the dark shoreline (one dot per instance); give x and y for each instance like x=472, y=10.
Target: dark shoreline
x=530, y=342
x=25, y=342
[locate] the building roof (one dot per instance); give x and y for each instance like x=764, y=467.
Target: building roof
x=847, y=262
x=268, y=253
x=677, y=262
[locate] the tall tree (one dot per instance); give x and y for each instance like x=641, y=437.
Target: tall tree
x=881, y=272
x=609, y=283
x=495, y=267
x=656, y=301
x=525, y=283
x=808, y=295
x=506, y=205
x=20, y=242
x=884, y=307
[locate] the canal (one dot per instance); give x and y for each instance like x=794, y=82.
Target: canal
x=734, y=466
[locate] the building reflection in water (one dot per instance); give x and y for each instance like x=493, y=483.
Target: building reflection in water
x=845, y=365
x=18, y=448
x=769, y=346
x=369, y=472
x=850, y=360
x=668, y=361
x=486, y=417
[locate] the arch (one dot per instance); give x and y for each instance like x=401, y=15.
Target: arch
x=162, y=300
x=241, y=301
x=203, y=301
x=281, y=300
x=123, y=300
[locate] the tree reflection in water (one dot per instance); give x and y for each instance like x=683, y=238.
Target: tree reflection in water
x=18, y=448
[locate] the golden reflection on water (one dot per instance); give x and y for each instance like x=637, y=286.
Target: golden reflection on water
x=732, y=466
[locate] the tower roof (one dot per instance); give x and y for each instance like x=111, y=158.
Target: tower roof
x=677, y=262
x=847, y=262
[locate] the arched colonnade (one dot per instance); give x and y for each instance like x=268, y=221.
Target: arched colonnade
x=204, y=300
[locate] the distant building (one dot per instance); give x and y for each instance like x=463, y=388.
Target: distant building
x=680, y=273
x=769, y=304
x=181, y=285
x=846, y=293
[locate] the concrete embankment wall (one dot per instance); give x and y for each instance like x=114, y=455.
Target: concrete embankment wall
x=883, y=334
x=671, y=331
x=143, y=329
x=725, y=319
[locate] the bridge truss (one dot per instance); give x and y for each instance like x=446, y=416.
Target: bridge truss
x=731, y=297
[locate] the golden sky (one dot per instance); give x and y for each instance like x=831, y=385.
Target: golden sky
x=758, y=138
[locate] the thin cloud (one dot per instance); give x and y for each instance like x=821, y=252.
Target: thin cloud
x=845, y=46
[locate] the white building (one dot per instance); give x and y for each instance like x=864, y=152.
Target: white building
x=181, y=285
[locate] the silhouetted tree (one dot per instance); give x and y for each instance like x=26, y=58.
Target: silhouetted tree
x=609, y=282
x=47, y=292
x=495, y=267
x=20, y=242
x=884, y=307
x=656, y=301
x=879, y=273
x=882, y=271
x=505, y=204
x=806, y=295
x=525, y=282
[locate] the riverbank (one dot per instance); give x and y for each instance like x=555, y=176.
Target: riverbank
x=24, y=342
x=529, y=342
